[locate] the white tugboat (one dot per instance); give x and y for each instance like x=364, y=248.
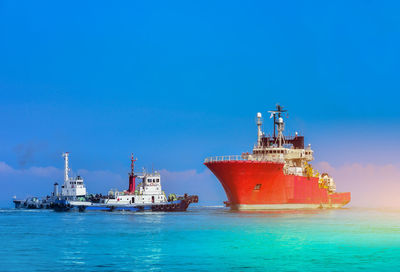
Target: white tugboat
x=73, y=189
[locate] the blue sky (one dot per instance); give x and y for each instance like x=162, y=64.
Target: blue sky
x=177, y=81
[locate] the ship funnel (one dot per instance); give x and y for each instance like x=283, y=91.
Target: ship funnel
x=132, y=176
x=55, y=192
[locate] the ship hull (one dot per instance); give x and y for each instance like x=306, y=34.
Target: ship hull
x=261, y=185
x=174, y=206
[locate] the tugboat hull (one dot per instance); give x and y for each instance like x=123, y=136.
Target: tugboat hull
x=175, y=206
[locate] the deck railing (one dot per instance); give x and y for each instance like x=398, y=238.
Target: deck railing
x=225, y=158
x=244, y=158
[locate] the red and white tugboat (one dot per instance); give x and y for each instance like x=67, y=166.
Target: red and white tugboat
x=276, y=175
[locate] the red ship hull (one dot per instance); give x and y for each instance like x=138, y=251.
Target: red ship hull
x=261, y=185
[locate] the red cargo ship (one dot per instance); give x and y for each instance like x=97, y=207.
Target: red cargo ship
x=276, y=175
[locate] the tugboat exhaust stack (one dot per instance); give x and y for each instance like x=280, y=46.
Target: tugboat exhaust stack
x=132, y=176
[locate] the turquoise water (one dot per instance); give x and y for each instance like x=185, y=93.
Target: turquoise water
x=202, y=239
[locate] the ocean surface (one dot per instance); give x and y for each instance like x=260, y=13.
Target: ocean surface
x=201, y=239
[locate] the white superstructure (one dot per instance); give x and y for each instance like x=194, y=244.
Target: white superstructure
x=72, y=187
x=148, y=191
x=289, y=150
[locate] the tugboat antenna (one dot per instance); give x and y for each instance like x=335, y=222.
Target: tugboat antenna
x=66, y=169
x=132, y=164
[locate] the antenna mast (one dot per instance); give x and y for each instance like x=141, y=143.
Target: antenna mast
x=259, y=132
x=66, y=169
x=281, y=125
x=132, y=176
x=132, y=164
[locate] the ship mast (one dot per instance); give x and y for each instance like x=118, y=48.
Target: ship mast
x=278, y=121
x=259, y=131
x=66, y=169
x=132, y=164
x=132, y=176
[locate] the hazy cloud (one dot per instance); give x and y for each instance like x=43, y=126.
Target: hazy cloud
x=5, y=168
x=101, y=181
x=49, y=171
x=370, y=185
x=203, y=184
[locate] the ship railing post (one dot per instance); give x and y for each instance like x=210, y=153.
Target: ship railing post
x=228, y=158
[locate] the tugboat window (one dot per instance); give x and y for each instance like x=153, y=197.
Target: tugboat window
x=257, y=187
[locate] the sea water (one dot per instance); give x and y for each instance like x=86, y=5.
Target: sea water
x=201, y=239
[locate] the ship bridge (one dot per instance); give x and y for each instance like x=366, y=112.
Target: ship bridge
x=290, y=148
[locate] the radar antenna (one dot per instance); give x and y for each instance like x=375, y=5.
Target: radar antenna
x=278, y=121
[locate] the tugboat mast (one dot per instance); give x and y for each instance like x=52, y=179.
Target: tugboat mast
x=66, y=169
x=132, y=176
x=132, y=164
